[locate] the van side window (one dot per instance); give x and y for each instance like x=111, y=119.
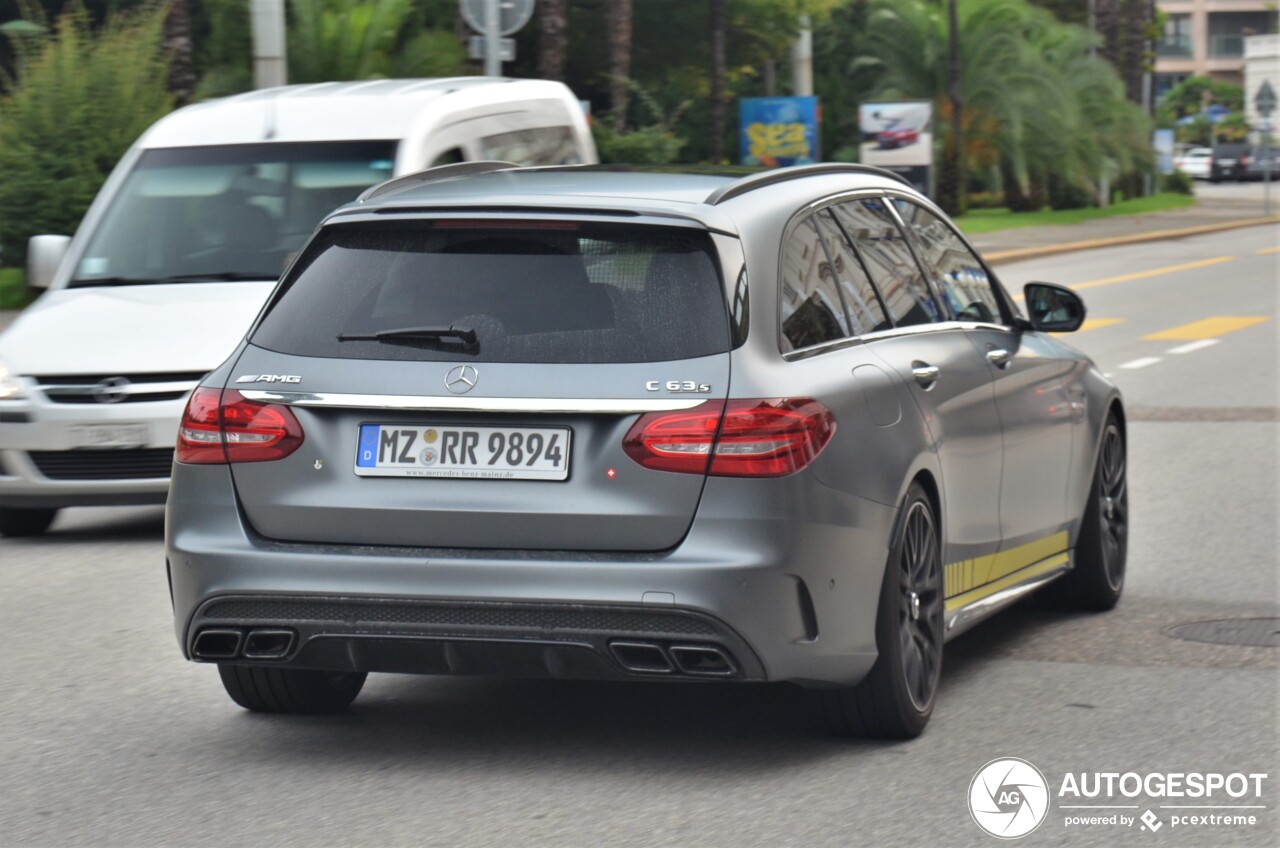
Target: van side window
x=452, y=156
x=888, y=258
x=812, y=308
x=538, y=146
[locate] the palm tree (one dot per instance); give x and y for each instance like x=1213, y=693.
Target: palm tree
x=177, y=46
x=718, y=73
x=619, y=60
x=553, y=38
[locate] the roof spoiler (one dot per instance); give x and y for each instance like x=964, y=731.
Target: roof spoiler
x=431, y=175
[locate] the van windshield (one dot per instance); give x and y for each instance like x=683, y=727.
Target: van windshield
x=227, y=212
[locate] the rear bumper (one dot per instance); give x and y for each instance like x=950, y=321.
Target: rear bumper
x=780, y=600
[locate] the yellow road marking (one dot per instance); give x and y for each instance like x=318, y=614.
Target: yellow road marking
x=1154, y=272
x=1207, y=328
x=1099, y=323
x=1142, y=275
x=1266, y=250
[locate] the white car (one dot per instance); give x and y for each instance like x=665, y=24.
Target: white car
x=1195, y=163
x=183, y=244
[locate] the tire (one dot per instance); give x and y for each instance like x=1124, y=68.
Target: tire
x=897, y=696
x=290, y=690
x=25, y=522
x=1097, y=580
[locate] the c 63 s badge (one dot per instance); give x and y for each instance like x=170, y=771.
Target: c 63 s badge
x=678, y=386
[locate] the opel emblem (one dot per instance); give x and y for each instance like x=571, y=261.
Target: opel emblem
x=111, y=390
x=461, y=379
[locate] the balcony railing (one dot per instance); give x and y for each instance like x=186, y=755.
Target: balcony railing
x=1226, y=46
x=1175, y=48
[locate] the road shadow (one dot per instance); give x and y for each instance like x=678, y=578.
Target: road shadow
x=439, y=722
x=101, y=524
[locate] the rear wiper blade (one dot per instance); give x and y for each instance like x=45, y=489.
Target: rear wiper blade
x=450, y=337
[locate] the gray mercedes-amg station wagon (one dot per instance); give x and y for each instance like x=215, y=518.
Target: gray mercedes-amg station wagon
x=586, y=422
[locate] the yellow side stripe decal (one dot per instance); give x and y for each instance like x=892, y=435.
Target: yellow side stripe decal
x=953, y=604
x=1208, y=328
x=963, y=576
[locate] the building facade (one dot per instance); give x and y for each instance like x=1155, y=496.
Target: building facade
x=1207, y=38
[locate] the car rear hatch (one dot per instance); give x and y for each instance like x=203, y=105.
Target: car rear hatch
x=471, y=383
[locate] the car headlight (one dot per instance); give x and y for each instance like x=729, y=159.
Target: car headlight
x=9, y=388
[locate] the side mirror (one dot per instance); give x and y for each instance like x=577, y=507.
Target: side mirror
x=1053, y=309
x=44, y=255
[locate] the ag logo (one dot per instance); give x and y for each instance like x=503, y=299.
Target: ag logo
x=1008, y=798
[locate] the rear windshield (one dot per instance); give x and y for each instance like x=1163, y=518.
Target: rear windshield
x=556, y=292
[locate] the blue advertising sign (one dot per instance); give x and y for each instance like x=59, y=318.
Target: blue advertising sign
x=779, y=131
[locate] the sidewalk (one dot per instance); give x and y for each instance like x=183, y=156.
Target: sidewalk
x=1222, y=208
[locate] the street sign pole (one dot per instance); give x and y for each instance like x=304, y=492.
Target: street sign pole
x=492, y=34
x=1265, y=102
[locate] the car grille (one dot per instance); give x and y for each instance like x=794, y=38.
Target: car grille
x=128, y=464
x=117, y=388
x=490, y=615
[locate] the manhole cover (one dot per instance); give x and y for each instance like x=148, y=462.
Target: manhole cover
x=1258, y=632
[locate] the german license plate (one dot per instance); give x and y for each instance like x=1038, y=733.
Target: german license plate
x=110, y=435
x=477, y=453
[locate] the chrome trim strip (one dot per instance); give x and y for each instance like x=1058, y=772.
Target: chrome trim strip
x=618, y=406
x=895, y=332
x=958, y=621
x=60, y=389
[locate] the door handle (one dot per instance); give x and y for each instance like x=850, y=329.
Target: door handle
x=999, y=357
x=925, y=374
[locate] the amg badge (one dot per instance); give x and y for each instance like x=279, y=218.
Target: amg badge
x=269, y=378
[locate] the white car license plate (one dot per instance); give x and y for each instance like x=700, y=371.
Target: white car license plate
x=110, y=435
x=477, y=453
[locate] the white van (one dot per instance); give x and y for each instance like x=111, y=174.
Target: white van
x=183, y=244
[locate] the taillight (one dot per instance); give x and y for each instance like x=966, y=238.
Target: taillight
x=220, y=426
x=739, y=438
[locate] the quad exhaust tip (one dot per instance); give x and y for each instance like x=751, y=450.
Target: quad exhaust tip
x=268, y=644
x=702, y=660
x=214, y=644
x=642, y=657
x=261, y=643
x=693, y=660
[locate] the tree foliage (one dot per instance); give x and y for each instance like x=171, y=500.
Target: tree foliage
x=365, y=39
x=78, y=101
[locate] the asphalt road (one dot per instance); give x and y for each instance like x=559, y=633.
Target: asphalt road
x=107, y=737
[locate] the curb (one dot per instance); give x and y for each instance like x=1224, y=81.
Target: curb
x=1003, y=256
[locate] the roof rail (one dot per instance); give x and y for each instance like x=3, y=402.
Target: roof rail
x=431, y=175
x=778, y=175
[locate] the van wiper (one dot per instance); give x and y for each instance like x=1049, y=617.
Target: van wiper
x=103, y=282
x=221, y=277
x=447, y=338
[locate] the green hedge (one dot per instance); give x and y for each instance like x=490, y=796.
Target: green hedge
x=81, y=97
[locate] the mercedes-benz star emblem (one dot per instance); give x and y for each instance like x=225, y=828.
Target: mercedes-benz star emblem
x=111, y=390
x=461, y=379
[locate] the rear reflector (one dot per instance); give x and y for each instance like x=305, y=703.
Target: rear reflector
x=220, y=426
x=740, y=438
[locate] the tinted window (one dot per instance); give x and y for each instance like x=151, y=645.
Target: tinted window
x=539, y=146
x=812, y=308
x=866, y=313
x=961, y=278
x=585, y=293
x=889, y=259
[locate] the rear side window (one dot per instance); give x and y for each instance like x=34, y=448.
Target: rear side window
x=866, y=313
x=961, y=277
x=557, y=292
x=813, y=311
x=538, y=146
x=893, y=268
